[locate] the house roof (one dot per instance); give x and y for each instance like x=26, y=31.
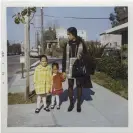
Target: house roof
x=116, y=29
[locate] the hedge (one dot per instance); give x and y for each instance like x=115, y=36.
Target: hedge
x=113, y=67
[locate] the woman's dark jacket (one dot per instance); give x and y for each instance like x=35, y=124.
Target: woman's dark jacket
x=85, y=81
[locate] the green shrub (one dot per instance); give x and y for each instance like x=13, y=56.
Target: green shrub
x=119, y=87
x=112, y=67
x=116, y=86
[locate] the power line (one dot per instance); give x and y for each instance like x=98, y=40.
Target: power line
x=73, y=17
x=85, y=18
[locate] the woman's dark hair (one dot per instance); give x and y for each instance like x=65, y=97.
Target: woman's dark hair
x=55, y=64
x=43, y=56
x=73, y=31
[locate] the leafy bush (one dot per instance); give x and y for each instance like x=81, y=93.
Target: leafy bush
x=119, y=87
x=47, y=52
x=113, y=67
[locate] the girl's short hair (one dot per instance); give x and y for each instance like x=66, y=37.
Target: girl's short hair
x=55, y=64
x=43, y=56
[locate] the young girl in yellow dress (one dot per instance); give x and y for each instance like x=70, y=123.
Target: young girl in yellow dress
x=42, y=82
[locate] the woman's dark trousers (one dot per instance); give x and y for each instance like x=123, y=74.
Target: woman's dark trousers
x=71, y=96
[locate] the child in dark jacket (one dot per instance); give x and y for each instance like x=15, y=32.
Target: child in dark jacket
x=56, y=89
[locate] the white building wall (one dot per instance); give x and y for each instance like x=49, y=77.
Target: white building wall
x=114, y=40
x=61, y=33
x=83, y=34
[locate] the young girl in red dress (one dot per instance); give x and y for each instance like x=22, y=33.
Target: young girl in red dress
x=56, y=89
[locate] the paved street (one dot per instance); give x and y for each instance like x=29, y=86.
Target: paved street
x=14, y=65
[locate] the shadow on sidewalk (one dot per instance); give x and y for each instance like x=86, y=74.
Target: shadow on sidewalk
x=86, y=95
x=64, y=97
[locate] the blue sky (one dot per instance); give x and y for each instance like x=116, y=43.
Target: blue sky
x=93, y=27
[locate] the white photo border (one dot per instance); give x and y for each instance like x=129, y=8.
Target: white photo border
x=59, y=3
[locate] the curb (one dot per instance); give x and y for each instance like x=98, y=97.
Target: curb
x=34, y=64
x=13, y=56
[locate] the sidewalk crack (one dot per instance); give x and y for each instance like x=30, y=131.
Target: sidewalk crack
x=54, y=120
x=102, y=114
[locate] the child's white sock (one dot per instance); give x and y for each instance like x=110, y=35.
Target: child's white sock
x=53, y=100
x=57, y=100
x=44, y=101
x=38, y=101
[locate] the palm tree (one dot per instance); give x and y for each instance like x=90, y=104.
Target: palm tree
x=95, y=49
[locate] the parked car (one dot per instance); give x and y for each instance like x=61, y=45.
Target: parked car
x=34, y=53
x=9, y=54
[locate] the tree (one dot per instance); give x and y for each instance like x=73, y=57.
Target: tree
x=20, y=17
x=119, y=16
x=53, y=24
x=124, y=54
x=62, y=42
x=95, y=49
x=16, y=48
x=49, y=34
x=8, y=46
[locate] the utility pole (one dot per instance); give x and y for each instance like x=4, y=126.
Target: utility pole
x=27, y=54
x=38, y=44
x=35, y=39
x=42, y=46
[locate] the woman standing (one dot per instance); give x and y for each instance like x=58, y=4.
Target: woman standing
x=75, y=48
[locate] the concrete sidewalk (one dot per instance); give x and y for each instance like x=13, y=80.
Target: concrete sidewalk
x=100, y=108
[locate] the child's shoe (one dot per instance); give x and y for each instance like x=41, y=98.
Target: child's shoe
x=37, y=110
x=47, y=109
x=58, y=107
x=52, y=106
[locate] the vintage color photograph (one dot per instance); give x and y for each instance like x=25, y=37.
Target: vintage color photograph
x=67, y=66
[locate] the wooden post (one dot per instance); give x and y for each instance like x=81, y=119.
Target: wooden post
x=22, y=66
x=22, y=60
x=42, y=46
